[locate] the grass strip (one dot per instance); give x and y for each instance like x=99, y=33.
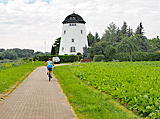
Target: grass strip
x=15, y=75
x=87, y=102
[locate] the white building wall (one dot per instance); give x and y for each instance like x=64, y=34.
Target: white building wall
x=73, y=32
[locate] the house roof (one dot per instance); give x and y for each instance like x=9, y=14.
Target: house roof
x=73, y=18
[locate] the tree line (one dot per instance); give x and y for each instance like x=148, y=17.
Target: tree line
x=13, y=54
x=124, y=40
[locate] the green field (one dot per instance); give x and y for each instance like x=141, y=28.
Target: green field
x=134, y=84
x=87, y=102
x=10, y=75
x=91, y=87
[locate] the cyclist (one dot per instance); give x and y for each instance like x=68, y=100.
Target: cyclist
x=50, y=66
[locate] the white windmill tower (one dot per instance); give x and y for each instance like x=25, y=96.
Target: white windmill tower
x=73, y=38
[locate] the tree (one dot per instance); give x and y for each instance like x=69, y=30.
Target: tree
x=85, y=52
x=96, y=38
x=90, y=53
x=154, y=44
x=24, y=52
x=112, y=28
x=139, y=29
x=130, y=32
x=38, y=53
x=143, y=44
x=9, y=54
x=109, y=52
x=124, y=28
x=1, y=53
x=119, y=35
x=1, y=50
x=1, y=56
x=56, y=46
x=97, y=49
x=129, y=44
x=53, y=51
x=110, y=35
x=91, y=39
x=126, y=31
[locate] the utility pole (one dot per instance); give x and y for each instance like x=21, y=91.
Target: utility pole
x=44, y=47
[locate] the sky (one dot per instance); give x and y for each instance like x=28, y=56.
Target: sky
x=35, y=24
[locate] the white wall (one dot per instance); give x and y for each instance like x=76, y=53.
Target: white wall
x=73, y=32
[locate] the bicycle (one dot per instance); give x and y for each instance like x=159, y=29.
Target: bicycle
x=49, y=75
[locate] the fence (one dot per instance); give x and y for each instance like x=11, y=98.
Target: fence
x=86, y=60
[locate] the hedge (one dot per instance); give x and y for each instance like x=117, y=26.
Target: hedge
x=138, y=56
x=63, y=58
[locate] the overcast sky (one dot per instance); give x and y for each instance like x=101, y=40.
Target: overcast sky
x=26, y=24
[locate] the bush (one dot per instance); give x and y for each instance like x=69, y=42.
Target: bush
x=98, y=58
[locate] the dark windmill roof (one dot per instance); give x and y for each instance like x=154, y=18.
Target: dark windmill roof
x=73, y=18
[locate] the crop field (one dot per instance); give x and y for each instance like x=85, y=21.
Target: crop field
x=87, y=102
x=10, y=74
x=136, y=85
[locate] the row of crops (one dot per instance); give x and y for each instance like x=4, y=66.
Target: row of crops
x=134, y=84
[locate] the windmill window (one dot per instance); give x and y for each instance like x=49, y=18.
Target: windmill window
x=62, y=48
x=81, y=31
x=73, y=24
x=72, y=40
x=64, y=31
x=72, y=49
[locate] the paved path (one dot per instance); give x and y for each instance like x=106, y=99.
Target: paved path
x=37, y=98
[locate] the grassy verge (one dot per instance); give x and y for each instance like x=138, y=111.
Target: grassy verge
x=15, y=75
x=87, y=102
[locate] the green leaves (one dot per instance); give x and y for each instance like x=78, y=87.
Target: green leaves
x=133, y=83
